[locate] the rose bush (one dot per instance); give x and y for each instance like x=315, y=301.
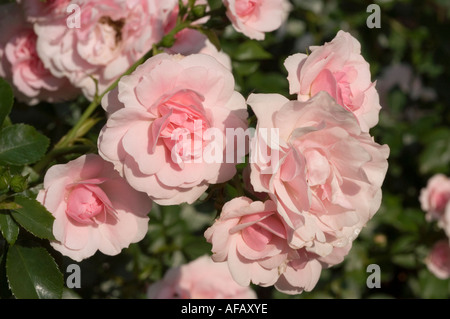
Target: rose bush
x=276, y=219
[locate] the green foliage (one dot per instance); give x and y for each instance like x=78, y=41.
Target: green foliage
x=21, y=144
x=32, y=273
x=33, y=217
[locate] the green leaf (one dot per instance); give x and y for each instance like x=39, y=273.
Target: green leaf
x=9, y=205
x=21, y=144
x=33, y=273
x=246, y=68
x=250, y=51
x=34, y=217
x=432, y=287
x=9, y=228
x=6, y=100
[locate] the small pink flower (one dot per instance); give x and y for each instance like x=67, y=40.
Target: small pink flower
x=438, y=260
x=21, y=66
x=166, y=119
x=252, y=238
x=254, y=18
x=339, y=69
x=435, y=198
x=94, y=208
x=199, y=279
x=435, y=201
x=323, y=172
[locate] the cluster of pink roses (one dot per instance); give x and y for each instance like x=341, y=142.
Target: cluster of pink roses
x=321, y=170
x=53, y=50
x=324, y=184
x=435, y=201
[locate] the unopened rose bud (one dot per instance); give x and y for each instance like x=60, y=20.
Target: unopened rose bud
x=198, y=11
x=168, y=41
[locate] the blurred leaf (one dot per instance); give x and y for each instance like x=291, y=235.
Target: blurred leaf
x=268, y=83
x=33, y=274
x=21, y=144
x=436, y=155
x=404, y=244
x=34, y=217
x=245, y=68
x=196, y=247
x=6, y=100
x=9, y=228
x=195, y=220
x=405, y=260
x=212, y=37
x=250, y=51
x=432, y=287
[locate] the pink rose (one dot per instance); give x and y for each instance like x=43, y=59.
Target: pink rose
x=94, y=208
x=167, y=123
x=254, y=18
x=435, y=201
x=100, y=39
x=438, y=260
x=435, y=198
x=252, y=238
x=338, y=68
x=324, y=173
x=20, y=64
x=199, y=279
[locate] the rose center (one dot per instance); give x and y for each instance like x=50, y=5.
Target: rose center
x=245, y=7
x=112, y=25
x=440, y=201
x=83, y=205
x=183, y=122
x=255, y=236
